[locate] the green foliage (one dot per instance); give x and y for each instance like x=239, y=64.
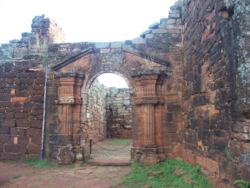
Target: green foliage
x=118, y=141
x=41, y=163
x=174, y=173
x=241, y=183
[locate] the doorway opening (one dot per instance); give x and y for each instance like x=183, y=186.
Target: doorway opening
x=109, y=118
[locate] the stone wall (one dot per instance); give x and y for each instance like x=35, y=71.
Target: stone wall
x=44, y=31
x=118, y=113
x=109, y=113
x=22, y=87
x=191, y=68
x=21, y=108
x=95, y=125
x=214, y=37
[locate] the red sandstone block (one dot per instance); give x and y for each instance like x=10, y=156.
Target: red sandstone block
x=22, y=130
x=8, y=115
x=5, y=138
x=22, y=92
x=2, y=85
x=33, y=148
x=36, y=139
x=23, y=140
x=38, y=87
x=12, y=148
x=37, y=98
x=2, y=109
x=37, y=112
x=38, y=92
x=5, y=91
x=36, y=123
x=19, y=99
x=26, y=107
x=34, y=132
x=5, y=103
x=9, y=156
x=14, y=131
x=189, y=156
x=9, y=123
x=173, y=106
x=6, y=109
x=39, y=81
x=208, y=164
x=21, y=115
x=1, y=147
x=4, y=97
x=22, y=123
x=23, y=75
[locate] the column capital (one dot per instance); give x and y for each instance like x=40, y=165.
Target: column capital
x=148, y=100
x=68, y=100
x=148, y=74
x=69, y=74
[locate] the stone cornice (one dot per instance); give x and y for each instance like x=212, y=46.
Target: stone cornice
x=148, y=100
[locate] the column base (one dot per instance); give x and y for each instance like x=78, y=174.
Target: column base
x=65, y=155
x=146, y=156
x=79, y=153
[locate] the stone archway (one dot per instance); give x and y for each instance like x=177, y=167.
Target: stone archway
x=120, y=108
x=145, y=78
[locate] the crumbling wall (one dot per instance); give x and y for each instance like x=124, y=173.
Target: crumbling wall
x=95, y=125
x=214, y=31
x=22, y=87
x=118, y=113
x=21, y=107
x=44, y=31
x=202, y=49
x=163, y=40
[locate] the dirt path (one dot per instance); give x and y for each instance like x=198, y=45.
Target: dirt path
x=111, y=153
x=20, y=175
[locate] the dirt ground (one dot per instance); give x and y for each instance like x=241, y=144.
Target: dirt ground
x=78, y=175
x=21, y=175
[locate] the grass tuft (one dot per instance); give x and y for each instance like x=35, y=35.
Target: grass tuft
x=241, y=183
x=118, y=141
x=41, y=163
x=172, y=173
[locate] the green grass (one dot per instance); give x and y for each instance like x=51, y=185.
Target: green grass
x=173, y=174
x=241, y=183
x=118, y=141
x=40, y=163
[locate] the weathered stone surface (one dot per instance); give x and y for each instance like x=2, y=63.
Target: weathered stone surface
x=95, y=127
x=20, y=109
x=188, y=76
x=65, y=156
x=118, y=113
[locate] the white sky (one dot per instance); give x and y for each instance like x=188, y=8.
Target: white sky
x=84, y=20
x=112, y=80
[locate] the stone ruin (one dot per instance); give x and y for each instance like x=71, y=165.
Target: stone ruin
x=189, y=82
x=118, y=113
x=109, y=113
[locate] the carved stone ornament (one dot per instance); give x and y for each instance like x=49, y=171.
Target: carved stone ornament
x=66, y=100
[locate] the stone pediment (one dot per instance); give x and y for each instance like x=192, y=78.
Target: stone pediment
x=112, y=57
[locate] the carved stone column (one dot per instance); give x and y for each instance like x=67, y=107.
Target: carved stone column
x=77, y=132
x=65, y=102
x=148, y=123
x=69, y=106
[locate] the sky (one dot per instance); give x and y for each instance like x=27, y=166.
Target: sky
x=112, y=80
x=84, y=20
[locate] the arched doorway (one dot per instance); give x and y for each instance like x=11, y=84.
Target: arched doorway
x=147, y=82
x=107, y=119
